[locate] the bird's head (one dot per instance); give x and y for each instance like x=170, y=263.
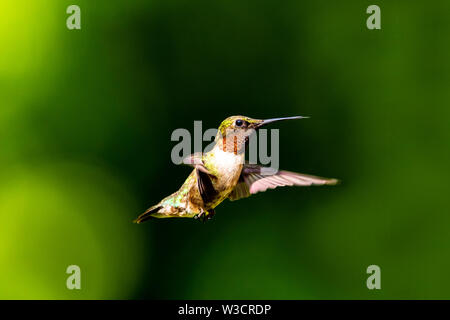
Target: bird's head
x=234, y=131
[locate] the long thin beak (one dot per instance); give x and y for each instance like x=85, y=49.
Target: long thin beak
x=267, y=121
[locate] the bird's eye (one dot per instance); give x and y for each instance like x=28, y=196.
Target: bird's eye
x=239, y=123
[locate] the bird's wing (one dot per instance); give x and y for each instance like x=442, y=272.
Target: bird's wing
x=205, y=186
x=196, y=160
x=193, y=159
x=256, y=179
x=241, y=190
x=204, y=183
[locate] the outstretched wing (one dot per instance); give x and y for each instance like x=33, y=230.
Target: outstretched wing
x=256, y=179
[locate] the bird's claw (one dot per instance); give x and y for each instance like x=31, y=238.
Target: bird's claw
x=203, y=216
x=200, y=216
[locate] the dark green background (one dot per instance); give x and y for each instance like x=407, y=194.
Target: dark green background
x=86, y=118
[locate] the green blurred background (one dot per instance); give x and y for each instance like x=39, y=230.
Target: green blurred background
x=86, y=118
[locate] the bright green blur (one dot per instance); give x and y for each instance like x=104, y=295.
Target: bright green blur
x=86, y=118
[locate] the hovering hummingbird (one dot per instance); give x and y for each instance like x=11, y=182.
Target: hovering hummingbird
x=223, y=173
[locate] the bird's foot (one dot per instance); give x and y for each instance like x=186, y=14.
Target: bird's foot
x=205, y=215
x=200, y=216
x=211, y=214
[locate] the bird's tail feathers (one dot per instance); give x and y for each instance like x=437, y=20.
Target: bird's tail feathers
x=148, y=214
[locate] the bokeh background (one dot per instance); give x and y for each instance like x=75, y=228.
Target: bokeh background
x=86, y=118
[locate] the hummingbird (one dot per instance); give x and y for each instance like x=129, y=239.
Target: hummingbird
x=223, y=173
